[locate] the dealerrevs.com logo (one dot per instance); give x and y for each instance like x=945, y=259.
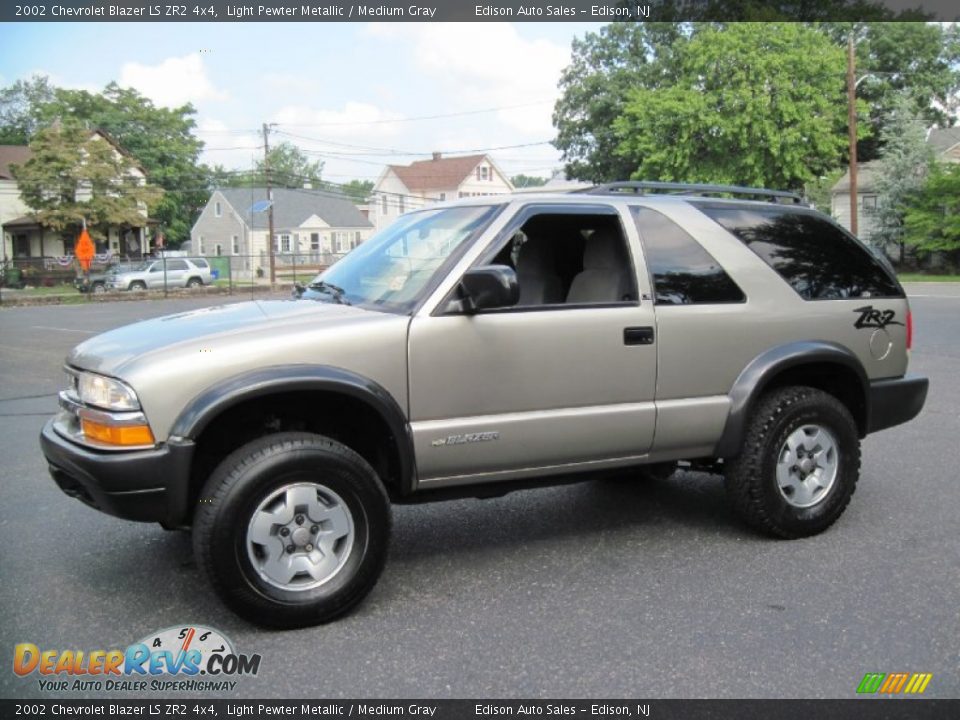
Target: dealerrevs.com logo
x=191, y=659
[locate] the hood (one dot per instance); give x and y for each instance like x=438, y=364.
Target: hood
x=219, y=325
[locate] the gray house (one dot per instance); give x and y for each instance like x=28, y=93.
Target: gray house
x=945, y=143
x=311, y=229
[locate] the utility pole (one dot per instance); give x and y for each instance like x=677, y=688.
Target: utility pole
x=852, y=126
x=266, y=169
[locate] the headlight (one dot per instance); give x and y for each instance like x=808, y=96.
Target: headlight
x=106, y=393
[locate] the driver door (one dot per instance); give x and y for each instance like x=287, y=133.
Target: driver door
x=547, y=387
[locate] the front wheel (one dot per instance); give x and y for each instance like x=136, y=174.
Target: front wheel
x=99, y=288
x=138, y=285
x=292, y=530
x=799, y=464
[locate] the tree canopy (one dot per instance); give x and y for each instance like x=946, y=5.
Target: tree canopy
x=932, y=217
x=652, y=69
x=757, y=104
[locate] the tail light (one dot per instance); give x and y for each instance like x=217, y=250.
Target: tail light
x=909, y=330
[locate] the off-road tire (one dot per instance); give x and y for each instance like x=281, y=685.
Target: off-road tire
x=751, y=479
x=234, y=493
x=137, y=285
x=194, y=282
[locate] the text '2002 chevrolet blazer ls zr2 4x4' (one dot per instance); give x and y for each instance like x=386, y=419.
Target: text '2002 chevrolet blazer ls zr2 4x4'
x=485, y=345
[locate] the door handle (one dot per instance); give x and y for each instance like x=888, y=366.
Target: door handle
x=638, y=335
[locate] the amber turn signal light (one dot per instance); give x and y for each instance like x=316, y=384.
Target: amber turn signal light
x=119, y=435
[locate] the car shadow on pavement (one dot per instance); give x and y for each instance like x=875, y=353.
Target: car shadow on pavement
x=692, y=503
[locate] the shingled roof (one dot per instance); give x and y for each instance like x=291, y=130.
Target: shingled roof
x=291, y=207
x=12, y=155
x=942, y=139
x=437, y=173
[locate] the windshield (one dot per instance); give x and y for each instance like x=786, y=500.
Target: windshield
x=391, y=270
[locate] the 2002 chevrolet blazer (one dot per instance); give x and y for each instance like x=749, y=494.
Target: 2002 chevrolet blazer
x=489, y=344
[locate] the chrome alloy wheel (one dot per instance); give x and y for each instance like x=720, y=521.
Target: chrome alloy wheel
x=807, y=466
x=300, y=536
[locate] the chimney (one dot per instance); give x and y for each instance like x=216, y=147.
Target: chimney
x=437, y=155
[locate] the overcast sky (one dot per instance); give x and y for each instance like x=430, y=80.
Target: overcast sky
x=348, y=91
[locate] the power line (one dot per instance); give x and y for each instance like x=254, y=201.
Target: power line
x=416, y=119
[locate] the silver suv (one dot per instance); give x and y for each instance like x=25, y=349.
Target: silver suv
x=487, y=345
x=171, y=272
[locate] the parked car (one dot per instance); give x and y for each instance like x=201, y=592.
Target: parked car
x=487, y=345
x=100, y=282
x=170, y=272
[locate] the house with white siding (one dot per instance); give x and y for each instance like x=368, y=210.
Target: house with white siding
x=312, y=228
x=402, y=188
x=24, y=238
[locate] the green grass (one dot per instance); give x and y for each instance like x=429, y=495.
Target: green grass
x=920, y=277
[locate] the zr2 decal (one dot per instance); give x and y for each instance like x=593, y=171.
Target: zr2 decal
x=870, y=317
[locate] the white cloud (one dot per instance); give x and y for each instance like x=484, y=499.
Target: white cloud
x=354, y=120
x=481, y=65
x=175, y=81
x=223, y=146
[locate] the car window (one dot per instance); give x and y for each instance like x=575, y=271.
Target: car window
x=200, y=263
x=391, y=270
x=156, y=267
x=683, y=272
x=565, y=259
x=816, y=257
x=176, y=265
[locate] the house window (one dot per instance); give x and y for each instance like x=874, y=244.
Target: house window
x=443, y=196
x=869, y=202
x=218, y=248
x=68, y=244
x=235, y=244
x=217, y=210
x=284, y=243
x=314, y=241
x=200, y=245
x=383, y=204
x=400, y=205
x=484, y=173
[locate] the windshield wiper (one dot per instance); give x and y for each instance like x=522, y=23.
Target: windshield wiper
x=333, y=291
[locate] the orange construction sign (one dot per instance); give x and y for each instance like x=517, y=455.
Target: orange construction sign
x=85, y=250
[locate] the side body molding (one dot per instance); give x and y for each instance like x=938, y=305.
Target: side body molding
x=762, y=369
x=206, y=406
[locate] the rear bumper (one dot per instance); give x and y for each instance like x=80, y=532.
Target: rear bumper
x=144, y=485
x=895, y=401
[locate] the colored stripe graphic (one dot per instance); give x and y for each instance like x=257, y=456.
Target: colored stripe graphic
x=871, y=682
x=894, y=683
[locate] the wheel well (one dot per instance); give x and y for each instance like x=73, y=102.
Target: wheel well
x=340, y=417
x=833, y=378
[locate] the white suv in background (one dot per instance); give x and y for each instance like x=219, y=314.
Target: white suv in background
x=170, y=272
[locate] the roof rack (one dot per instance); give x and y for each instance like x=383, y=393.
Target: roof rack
x=642, y=187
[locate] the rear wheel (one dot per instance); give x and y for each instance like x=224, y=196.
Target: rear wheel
x=799, y=464
x=194, y=282
x=292, y=530
x=99, y=288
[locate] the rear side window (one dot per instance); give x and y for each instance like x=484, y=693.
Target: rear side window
x=817, y=258
x=683, y=272
x=200, y=263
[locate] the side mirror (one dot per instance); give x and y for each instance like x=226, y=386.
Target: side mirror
x=489, y=286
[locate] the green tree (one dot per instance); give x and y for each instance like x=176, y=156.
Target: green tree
x=527, y=181
x=932, y=215
x=358, y=190
x=904, y=163
x=21, y=109
x=74, y=176
x=752, y=103
x=604, y=67
x=917, y=61
x=289, y=167
x=161, y=139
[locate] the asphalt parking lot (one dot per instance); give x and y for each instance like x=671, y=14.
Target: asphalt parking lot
x=601, y=589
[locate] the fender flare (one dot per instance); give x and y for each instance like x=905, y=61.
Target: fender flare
x=216, y=399
x=755, y=377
